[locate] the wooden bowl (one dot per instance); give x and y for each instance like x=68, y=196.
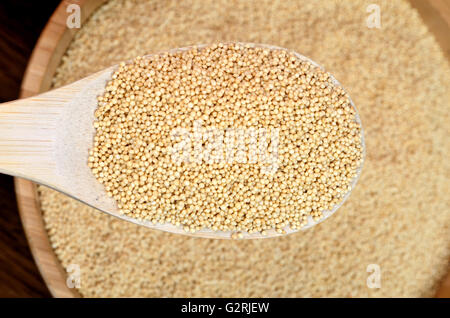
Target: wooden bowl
x=46, y=57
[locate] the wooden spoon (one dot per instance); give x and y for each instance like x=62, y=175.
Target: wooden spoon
x=46, y=139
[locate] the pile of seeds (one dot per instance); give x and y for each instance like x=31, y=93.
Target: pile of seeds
x=397, y=217
x=277, y=142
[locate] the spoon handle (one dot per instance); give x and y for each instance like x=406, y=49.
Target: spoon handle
x=30, y=128
x=26, y=138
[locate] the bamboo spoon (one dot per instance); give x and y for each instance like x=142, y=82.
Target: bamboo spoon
x=46, y=139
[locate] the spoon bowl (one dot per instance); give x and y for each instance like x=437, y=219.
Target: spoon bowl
x=47, y=138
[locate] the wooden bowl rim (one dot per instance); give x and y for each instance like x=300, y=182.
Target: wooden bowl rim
x=45, y=58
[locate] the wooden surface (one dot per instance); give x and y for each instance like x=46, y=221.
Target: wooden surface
x=21, y=22
x=38, y=80
x=19, y=276
x=48, y=264
x=436, y=14
x=46, y=56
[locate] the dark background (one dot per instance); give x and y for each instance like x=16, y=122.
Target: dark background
x=21, y=22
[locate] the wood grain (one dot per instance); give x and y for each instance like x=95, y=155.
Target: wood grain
x=45, y=58
x=19, y=276
x=436, y=15
x=442, y=7
x=49, y=266
x=21, y=22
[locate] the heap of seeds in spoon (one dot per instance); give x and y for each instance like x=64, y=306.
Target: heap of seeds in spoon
x=229, y=137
